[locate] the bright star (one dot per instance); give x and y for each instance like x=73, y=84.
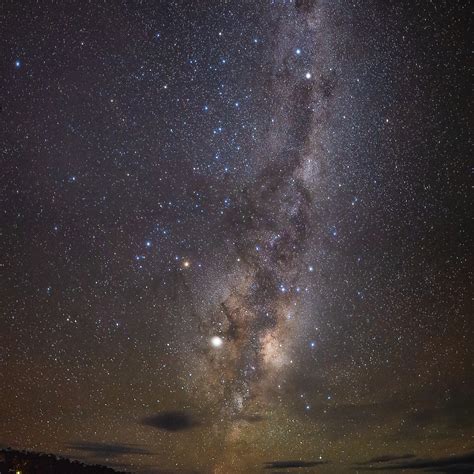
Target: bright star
x=216, y=341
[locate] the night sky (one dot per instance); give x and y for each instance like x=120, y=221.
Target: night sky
x=235, y=235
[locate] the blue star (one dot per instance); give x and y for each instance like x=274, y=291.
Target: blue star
x=17, y=63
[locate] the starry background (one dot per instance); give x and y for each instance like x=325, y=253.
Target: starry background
x=235, y=235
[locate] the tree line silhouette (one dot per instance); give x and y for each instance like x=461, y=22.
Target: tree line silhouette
x=29, y=462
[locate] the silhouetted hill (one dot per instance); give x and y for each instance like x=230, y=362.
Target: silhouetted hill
x=25, y=462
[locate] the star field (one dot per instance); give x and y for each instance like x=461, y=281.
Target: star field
x=235, y=235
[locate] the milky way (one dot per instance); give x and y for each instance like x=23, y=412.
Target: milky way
x=270, y=228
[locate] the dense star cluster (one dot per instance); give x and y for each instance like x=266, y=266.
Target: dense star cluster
x=235, y=235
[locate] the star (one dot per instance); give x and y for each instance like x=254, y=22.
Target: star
x=216, y=342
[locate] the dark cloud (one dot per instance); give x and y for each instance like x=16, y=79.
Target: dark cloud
x=171, y=421
x=107, y=450
x=292, y=464
x=452, y=417
x=421, y=414
x=458, y=468
x=456, y=463
x=386, y=458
